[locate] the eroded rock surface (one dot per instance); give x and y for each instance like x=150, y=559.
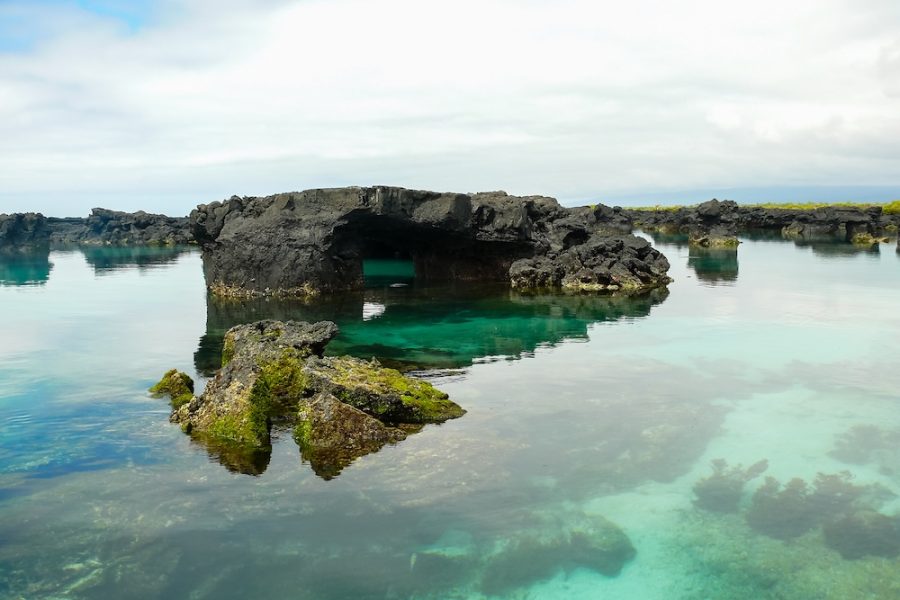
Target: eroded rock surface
x=314, y=241
x=23, y=231
x=273, y=372
x=104, y=226
x=717, y=223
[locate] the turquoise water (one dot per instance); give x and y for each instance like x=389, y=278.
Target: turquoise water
x=580, y=410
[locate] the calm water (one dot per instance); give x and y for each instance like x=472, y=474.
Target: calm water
x=579, y=407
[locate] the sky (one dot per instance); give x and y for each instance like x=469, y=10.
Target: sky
x=163, y=105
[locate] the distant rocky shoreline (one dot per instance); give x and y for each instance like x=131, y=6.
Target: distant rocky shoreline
x=22, y=231
x=305, y=243
x=717, y=223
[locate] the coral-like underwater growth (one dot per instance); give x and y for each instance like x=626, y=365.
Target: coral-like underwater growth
x=789, y=512
x=782, y=513
x=866, y=533
x=537, y=554
x=721, y=491
x=869, y=444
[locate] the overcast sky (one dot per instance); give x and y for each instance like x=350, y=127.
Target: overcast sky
x=163, y=105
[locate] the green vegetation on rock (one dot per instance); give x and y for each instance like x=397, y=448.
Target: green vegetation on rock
x=177, y=385
x=375, y=389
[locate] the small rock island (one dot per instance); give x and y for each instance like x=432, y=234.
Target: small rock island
x=315, y=241
x=274, y=372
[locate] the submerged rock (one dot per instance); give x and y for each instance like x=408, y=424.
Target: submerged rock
x=866, y=533
x=315, y=241
x=273, y=371
x=721, y=491
x=537, y=554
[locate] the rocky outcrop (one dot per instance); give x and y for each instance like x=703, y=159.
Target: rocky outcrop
x=315, y=241
x=601, y=263
x=112, y=227
x=274, y=372
x=716, y=223
x=332, y=434
x=23, y=231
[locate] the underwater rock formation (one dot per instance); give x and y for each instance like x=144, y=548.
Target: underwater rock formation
x=315, y=241
x=721, y=491
x=537, y=553
x=273, y=371
x=865, y=533
x=789, y=512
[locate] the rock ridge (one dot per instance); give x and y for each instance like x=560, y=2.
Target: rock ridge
x=303, y=243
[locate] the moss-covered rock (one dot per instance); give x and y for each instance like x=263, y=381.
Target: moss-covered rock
x=332, y=434
x=341, y=407
x=178, y=386
x=385, y=394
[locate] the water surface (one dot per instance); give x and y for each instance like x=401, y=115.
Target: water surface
x=580, y=408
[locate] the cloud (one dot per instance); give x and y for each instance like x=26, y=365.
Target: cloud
x=578, y=99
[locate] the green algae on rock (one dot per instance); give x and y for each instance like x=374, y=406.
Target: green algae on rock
x=273, y=371
x=178, y=386
x=332, y=434
x=383, y=393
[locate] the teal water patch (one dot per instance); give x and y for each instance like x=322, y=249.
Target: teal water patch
x=589, y=418
x=388, y=268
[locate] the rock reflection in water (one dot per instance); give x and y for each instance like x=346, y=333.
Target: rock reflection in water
x=431, y=327
x=104, y=259
x=25, y=268
x=838, y=248
x=714, y=265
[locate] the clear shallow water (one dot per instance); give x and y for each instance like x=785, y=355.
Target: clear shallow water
x=579, y=408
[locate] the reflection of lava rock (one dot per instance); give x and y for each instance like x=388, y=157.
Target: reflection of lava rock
x=23, y=267
x=422, y=328
x=714, y=265
x=109, y=258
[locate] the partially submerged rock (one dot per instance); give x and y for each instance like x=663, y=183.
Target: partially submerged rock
x=600, y=264
x=178, y=386
x=385, y=394
x=314, y=241
x=332, y=434
x=273, y=371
